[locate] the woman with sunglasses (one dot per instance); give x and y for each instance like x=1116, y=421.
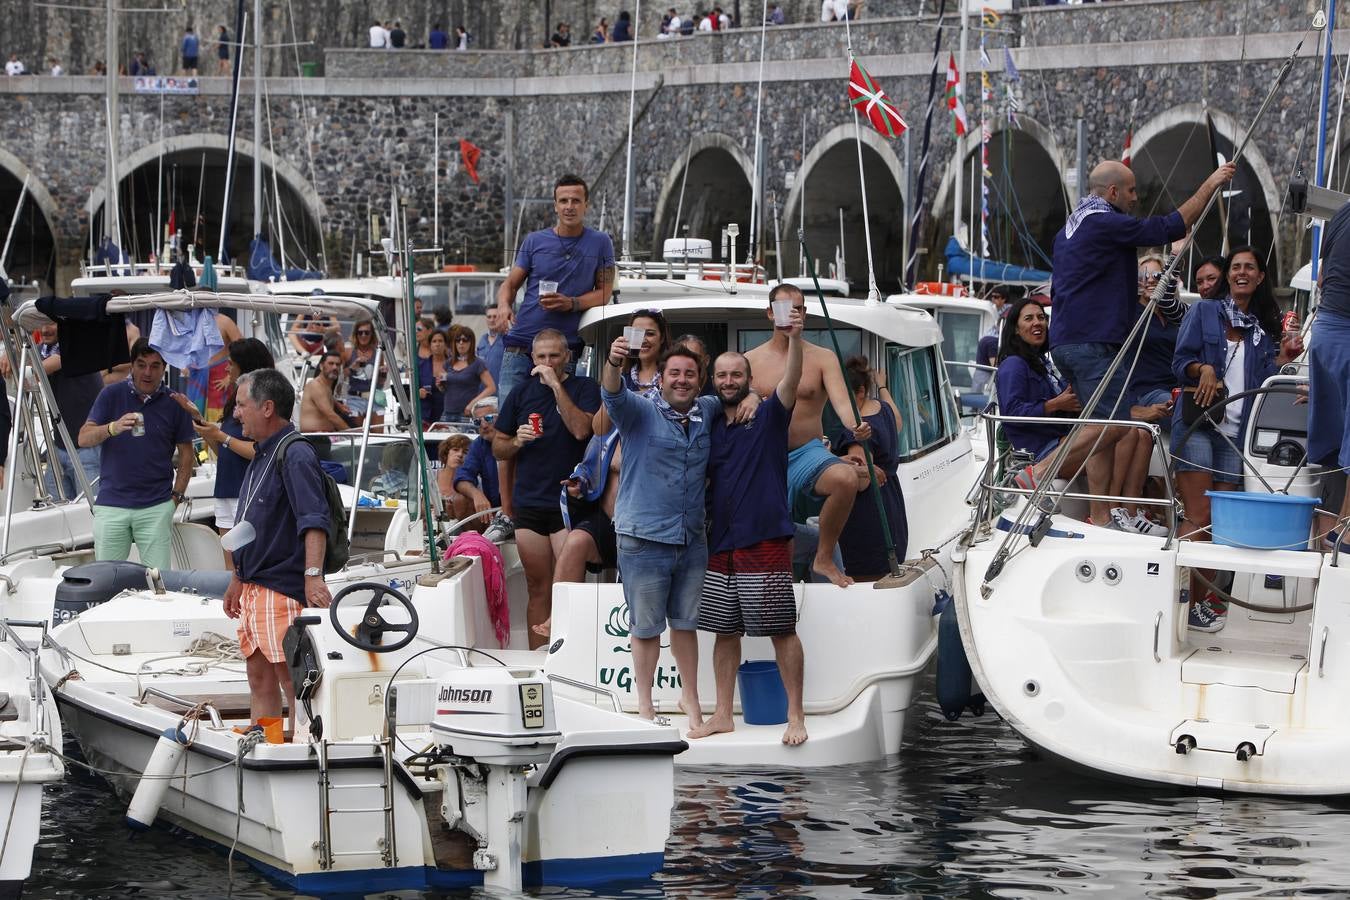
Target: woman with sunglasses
x=431, y=375
x=426, y=326
x=361, y=374
x=467, y=379
x=641, y=374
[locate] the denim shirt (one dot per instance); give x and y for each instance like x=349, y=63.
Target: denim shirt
x=662, y=478
x=1204, y=339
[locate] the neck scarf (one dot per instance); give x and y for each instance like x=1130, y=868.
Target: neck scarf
x=1244, y=321
x=679, y=418
x=1088, y=206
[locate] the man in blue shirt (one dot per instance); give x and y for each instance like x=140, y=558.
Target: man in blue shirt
x=493, y=342
x=438, y=39
x=140, y=426
x=580, y=261
x=659, y=514
x=748, y=588
x=191, y=48
x=279, y=571
x=1095, y=290
x=564, y=405
x=476, y=477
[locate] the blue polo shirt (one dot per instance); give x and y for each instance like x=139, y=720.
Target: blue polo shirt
x=281, y=503
x=480, y=469
x=570, y=261
x=137, y=472
x=491, y=355
x=230, y=466
x=543, y=463
x=663, y=473
x=747, y=477
x=1153, y=371
x=1096, y=284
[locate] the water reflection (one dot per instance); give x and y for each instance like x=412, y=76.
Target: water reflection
x=967, y=811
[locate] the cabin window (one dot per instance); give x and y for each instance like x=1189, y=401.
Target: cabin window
x=472, y=297
x=924, y=397
x=434, y=295
x=850, y=339
x=960, y=342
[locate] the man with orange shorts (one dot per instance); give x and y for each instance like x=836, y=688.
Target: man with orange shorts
x=282, y=530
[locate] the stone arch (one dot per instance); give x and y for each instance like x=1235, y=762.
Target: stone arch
x=41, y=199
x=719, y=170
x=1030, y=136
x=1187, y=173
x=832, y=164
x=295, y=186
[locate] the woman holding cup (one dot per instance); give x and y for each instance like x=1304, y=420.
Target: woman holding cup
x=648, y=337
x=431, y=376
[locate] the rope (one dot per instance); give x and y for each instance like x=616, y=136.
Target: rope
x=13, y=804
x=246, y=744
x=1254, y=607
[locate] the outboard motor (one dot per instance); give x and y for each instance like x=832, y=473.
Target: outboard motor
x=86, y=586
x=490, y=725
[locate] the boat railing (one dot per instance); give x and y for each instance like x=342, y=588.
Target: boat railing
x=152, y=269
x=585, y=686
x=35, y=683
x=206, y=706
x=670, y=270
x=990, y=484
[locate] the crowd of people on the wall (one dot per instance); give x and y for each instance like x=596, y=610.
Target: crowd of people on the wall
x=389, y=34
x=1053, y=359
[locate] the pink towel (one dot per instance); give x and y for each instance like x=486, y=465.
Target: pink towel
x=471, y=543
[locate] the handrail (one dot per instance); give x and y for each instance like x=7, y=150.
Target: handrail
x=992, y=419
x=593, y=688
x=35, y=682
x=210, y=708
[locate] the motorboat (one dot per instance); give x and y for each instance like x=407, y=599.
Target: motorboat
x=417, y=763
x=31, y=745
x=1078, y=635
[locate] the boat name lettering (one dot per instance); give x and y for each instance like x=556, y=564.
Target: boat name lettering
x=465, y=695
x=622, y=678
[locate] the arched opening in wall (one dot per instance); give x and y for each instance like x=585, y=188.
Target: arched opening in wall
x=32, y=248
x=1026, y=204
x=1173, y=163
x=829, y=202
x=193, y=191
x=716, y=193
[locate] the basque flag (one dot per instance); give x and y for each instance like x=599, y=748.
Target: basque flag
x=867, y=97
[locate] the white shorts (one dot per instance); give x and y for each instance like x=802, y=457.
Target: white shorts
x=226, y=507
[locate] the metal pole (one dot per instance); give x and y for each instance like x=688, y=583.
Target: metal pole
x=508, y=137
x=755, y=195
x=1320, y=175
x=13, y=221
x=436, y=182
x=958, y=197
x=111, y=222
x=908, y=202
x=1082, y=160
x=257, y=118
x=684, y=179
x=365, y=431
x=628, y=180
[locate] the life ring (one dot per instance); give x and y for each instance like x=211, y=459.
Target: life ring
x=458, y=267
x=739, y=279
x=940, y=288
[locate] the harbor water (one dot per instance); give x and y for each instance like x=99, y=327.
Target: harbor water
x=967, y=810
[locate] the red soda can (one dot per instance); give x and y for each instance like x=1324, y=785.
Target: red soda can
x=537, y=423
x=1289, y=322
x=1176, y=395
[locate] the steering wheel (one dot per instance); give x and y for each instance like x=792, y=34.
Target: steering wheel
x=373, y=623
x=1215, y=415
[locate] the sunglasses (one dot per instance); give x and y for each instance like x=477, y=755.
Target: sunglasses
x=464, y=338
x=486, y=418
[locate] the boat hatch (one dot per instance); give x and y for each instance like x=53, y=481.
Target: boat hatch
x=1221, y=737
x=1236, y=668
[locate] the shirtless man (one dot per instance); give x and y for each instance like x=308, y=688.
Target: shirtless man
x=814, y=473
x=319, y=411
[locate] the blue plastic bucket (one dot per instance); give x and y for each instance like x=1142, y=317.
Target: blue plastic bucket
x=763, y=699
x=1260, y=521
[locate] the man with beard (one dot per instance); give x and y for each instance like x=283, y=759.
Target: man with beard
x=319, y=410
x=748, y=587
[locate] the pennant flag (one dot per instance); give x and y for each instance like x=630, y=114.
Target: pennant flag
x=989, y=17
x=985, y=61
x=1010, y=67
x=470, y=155
x=986, y=87
x=867, y=98
x=1014, y=107
x=954, y=97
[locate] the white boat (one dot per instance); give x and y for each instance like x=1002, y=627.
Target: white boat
x=428, y=766
x=30, y=748
x=1079, y=637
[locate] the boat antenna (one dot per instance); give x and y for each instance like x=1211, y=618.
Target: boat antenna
x=684, y=178
x=756, y=197
x=415, y=423
x=891, y=559
x=1034, y=502
x=240, y=24
x=873, y=295
x=628, y=174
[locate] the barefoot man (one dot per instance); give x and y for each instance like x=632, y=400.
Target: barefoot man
x=814, y=473
x=748, y=588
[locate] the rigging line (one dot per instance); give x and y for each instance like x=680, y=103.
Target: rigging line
x=309, y=138
x=756, y=186
x=921, y=176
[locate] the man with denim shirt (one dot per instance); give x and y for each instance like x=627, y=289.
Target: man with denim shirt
x=659, y=515
x=279, y=571
x=1095, y=292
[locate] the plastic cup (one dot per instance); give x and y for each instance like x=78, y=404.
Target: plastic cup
x=782, y=313
x=138, y=430
x=548, y=287
x=635, y=337
x=240, y=535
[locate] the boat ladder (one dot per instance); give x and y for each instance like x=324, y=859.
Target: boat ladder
x=385, y=845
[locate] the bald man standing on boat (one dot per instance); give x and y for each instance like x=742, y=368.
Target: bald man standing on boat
x=1095, y=293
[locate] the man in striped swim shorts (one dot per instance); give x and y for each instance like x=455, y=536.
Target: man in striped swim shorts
x=283, y=522
x=749, y=588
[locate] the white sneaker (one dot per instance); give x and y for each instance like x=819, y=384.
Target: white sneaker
x=500, y=529
x=1134, y=524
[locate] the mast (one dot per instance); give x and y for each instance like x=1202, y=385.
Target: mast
x=257, y=119
x=628, y=191
x=755, y=198
x=1320, y=175
x=111, y=225
x=958, y=197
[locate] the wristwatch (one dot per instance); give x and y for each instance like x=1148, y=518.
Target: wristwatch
x=179, y=496
x=313, y=572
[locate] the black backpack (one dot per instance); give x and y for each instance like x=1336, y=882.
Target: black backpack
x=338, y=548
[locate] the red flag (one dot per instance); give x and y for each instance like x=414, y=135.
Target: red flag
x=868, y=98
x=173, y=223
x=954, y=97
x=1125, y=156
x=470, y=154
